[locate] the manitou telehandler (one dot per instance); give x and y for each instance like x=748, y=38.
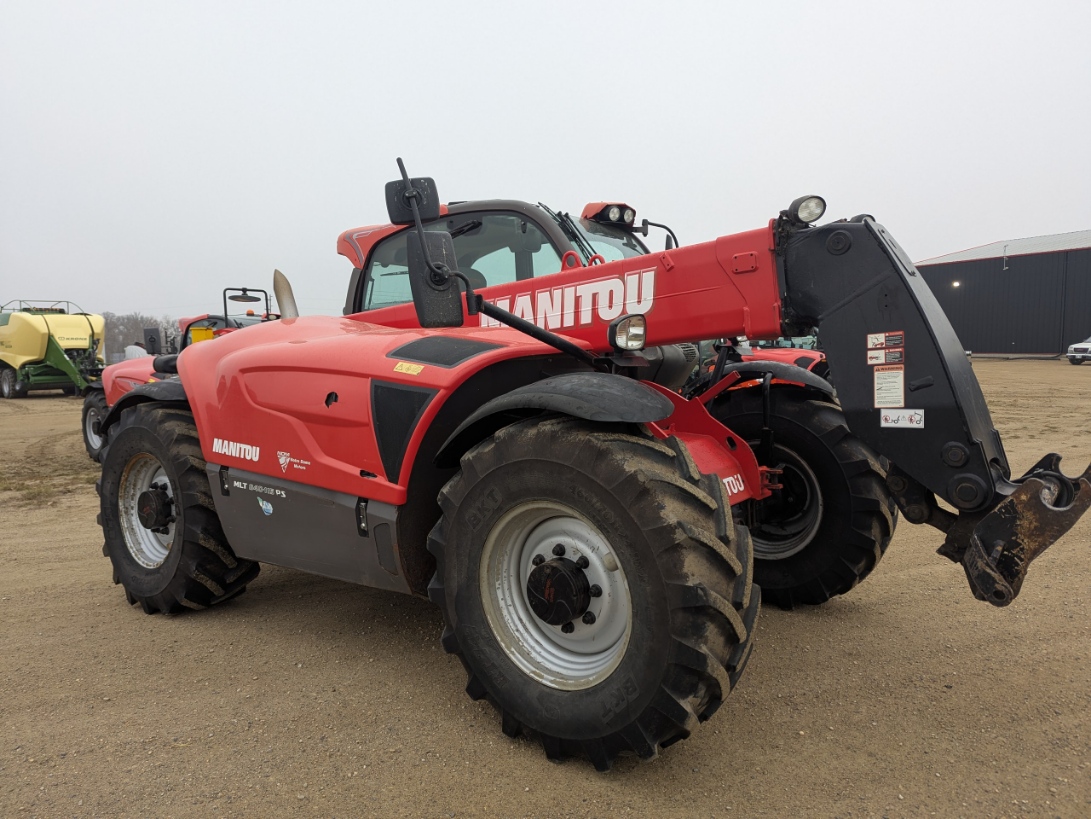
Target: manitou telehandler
x=524, y=467
x=830, y=520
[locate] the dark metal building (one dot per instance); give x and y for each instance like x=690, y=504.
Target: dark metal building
x=1024, y=296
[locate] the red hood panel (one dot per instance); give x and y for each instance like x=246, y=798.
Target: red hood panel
x=293, y=397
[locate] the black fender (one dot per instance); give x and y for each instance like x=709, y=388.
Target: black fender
x=599, y=397
x=169, y=391
x=93, y=386
x=785, y=372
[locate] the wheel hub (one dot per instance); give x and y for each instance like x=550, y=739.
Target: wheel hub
x=558, y=591
x=153, y=508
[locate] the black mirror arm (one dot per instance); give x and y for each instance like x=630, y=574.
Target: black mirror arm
x=473, y=301
x=645, y=224
x=411, y=195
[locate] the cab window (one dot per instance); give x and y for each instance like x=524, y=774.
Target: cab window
x=491, y=248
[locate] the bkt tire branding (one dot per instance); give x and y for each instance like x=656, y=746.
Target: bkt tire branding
x=577, y=305
x=234, y=449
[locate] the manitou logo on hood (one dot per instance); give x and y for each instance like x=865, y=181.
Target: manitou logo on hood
x=235, y=450
x=555, y=308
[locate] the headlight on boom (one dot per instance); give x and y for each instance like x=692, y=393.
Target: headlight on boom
x=628, y=333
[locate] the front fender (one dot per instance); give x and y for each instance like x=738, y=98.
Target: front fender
x=748, y=370
x=592, y=396
x=167, y=391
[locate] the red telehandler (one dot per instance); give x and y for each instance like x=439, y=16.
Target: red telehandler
x=828, y=519
x=573, y=519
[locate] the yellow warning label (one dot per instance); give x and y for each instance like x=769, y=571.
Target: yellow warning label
x=407, y=368
x=889, y=386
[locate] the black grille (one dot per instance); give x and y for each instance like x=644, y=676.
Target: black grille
x=397, y=410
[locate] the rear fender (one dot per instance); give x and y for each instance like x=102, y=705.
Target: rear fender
x=598, y=397
x=165, y=392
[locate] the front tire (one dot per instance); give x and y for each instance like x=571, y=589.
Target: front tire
x=158, y=517
x=10, y=385
x=593, y=586
x=94, y=410
x=1075, y=361
x=832, y=521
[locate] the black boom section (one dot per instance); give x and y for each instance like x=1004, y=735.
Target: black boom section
x=441, y=351
x=396, y=410
x=902, y=376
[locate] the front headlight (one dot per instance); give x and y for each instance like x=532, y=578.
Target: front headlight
x=628, y=333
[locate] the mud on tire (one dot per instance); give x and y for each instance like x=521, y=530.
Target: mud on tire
x=827, y=529
x=675, y=609
x=157, y=514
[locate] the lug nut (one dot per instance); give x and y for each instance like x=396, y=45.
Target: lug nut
x=537, y=560
x=558, y=550
x=589, y=617
x=568, y=628
x=582, y=562
x=595, y=591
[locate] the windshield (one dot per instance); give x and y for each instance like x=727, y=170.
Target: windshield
x=611, y=242
x=592, y=238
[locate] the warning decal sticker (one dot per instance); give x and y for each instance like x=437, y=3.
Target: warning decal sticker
x=904, y=418
x=877, y=341
x=889, y=386
x=894, y=355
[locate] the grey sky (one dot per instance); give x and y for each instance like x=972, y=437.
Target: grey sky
x=154, y=153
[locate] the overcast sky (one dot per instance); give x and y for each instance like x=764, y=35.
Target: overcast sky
x=153, y=153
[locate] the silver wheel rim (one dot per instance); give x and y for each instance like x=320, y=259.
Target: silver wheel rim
x=93, y=438
x=591, y=652
x=777, y=542
x=148, y=548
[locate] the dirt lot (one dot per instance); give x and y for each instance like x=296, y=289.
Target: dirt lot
x=312, y=697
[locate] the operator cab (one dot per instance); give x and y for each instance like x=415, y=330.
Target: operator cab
x=495, y=241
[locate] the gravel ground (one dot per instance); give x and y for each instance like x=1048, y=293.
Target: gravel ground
x=307, y=696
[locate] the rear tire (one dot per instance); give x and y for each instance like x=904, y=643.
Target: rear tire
x=672, y=623
x=827, y=529
x=94, y=410
x=182, y=561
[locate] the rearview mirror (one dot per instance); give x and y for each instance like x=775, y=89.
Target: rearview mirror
x=397, y=204
x=436, y=298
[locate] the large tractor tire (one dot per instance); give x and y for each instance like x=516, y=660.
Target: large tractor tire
x=162, y=533
x=832, y=521
x=10, y=385
x=94, y=410
x=593, y=585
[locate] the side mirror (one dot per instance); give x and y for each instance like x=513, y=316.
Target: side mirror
x=153, y=340
x=437, y=299
x=397, y=204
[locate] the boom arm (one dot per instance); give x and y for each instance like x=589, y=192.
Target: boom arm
x=902, y=377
